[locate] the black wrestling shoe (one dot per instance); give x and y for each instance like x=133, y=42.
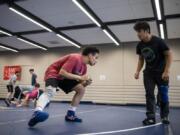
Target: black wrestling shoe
x=71, y=117
x=149, y=121
x=165, y=120
x=38, y=116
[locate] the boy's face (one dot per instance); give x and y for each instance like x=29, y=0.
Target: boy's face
x=142, y=35
x=93, y=59
x=17, y=74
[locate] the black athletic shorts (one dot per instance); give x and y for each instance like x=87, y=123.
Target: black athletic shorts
x=18, y=94
x=9, y=88
x=66, y=84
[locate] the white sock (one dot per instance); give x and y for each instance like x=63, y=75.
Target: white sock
x=72, y=108
x=44, y=99
x=42, y=102
x=38, y=109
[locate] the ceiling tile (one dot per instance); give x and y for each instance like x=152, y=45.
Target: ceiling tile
x=89, y=36
x=173, y=28
x=13, y=22
x=115, y=10
x=58, y=13
x=172, y=7
x=48, y=39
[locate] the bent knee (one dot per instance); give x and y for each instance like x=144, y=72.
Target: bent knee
x=80, y=89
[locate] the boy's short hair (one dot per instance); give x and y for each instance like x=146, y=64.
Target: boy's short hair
x=16, y=72
x=90, y=50
x=142, y=26
x=37, y=85
x=31, y=70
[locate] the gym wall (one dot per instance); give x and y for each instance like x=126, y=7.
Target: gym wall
x=113, y=80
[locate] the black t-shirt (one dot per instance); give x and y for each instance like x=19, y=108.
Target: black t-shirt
x=33, y=79
x=153, y=53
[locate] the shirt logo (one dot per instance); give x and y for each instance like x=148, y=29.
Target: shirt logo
x=148, y=54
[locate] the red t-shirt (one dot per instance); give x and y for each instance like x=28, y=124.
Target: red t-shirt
x=33, y=94
x=72, y=63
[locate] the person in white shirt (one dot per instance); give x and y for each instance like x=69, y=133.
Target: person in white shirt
x=10, y=88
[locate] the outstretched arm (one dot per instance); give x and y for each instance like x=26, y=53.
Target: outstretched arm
x=139, y=66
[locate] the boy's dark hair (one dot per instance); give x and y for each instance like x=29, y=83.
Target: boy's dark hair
x=37, y=85
x=90, y=50
x=31, y=69
x=16, y=72
x=142, y=26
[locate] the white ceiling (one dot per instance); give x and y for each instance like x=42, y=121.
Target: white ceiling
x=48, y=39
x=173, y=28
x=62, y=13
x=114, y=10
x=58, y=13
x=14, y=22
x=172, y=7
x=14, y=42
x=89, y=36
x=84, y=36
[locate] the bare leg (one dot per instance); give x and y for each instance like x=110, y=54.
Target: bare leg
x=8, y=99
x=9, y=95
x=80, y=90
x=25, y=102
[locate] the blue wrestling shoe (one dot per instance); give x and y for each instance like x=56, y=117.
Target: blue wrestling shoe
x=38, y=116
x=71, y=117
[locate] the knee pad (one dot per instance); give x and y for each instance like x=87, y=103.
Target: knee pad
x=164, y=93
x=51, y=91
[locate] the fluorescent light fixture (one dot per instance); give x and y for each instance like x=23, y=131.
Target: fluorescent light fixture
x=7, y=48
x=32, y=43
x=28, y=18
x=68, y=40
x=87, y=13
x=158, y=9
x=109, y=35
x=161, y=30
x=6, y=33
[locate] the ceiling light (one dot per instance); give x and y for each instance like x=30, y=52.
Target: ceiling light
x=110, y=36
x=161, y=30
x=28, y=42
x=7, y=48
x=6, y=33
x=68, y=40
x=30, y=19
x=87, y=13
x=158, y=9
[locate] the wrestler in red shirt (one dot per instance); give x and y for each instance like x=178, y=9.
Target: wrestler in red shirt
x=68, y=74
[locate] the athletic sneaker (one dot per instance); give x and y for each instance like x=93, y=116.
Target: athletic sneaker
x=165, y=120
x=38, y=116
x=19, y=105
x=71, y=117
x=149, y=121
